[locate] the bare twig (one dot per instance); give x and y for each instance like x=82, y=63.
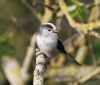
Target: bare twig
x=86, y=73
x=12, y=70
x=42, y=18
x=92, y=49
x=95, y=34
x=31, y=9
x=95, y=11
x=78, y=75
x=82, y=51
x=28, y=59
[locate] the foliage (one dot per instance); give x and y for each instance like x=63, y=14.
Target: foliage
x=6, y=49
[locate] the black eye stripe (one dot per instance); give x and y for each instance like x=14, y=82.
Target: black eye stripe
x=49, y=26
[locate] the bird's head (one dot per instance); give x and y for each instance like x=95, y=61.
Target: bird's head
x=48, y=29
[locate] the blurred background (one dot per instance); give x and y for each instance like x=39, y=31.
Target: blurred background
x=78, y=23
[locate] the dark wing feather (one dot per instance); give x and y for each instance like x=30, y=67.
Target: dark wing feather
x=61, y=48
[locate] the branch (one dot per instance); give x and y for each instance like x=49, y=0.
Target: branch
x=42, y=18
x=12, y=70
x=28, y=59
x=95, y=34
x=95, y=11
x=41, y=64
x=81, y=53
x=87, y=73
x=78, y=75
x=84, y=27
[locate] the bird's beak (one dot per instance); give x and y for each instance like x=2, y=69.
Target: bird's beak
x=55, y=32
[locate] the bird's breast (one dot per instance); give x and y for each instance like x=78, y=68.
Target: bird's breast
x=46, y=44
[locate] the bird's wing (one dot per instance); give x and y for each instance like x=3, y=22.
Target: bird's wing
x=61, y=48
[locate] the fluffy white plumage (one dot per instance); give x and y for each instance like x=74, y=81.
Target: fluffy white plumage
x=47, y=39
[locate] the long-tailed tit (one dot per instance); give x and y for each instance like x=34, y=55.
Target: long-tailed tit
x=48, y=41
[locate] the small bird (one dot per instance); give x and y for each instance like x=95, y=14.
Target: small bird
x=48, y=42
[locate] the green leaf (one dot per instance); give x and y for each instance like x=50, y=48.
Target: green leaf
x=72, y=8
x=80, y=12
x=6, y=49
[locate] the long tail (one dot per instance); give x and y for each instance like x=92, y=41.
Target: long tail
x=72, y=58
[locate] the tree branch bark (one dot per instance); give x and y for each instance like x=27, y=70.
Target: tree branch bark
x=41, y=64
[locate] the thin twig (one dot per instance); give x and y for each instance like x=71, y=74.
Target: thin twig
x=28, y=59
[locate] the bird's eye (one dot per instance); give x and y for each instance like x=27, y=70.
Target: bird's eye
x=49, y=29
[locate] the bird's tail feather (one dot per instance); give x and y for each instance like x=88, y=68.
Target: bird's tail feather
x=72, y=58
